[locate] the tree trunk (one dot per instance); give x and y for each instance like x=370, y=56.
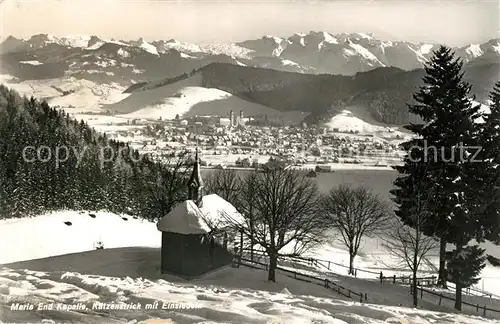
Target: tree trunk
x=415, y=289
x=252, y=242
x=442, y=279
x=351, y=263
x=458, y=296
x=251, y=249
x=273, y=263
x=458, y=284
x=415, y=269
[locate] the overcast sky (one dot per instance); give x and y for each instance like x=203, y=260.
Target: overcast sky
x=451, y=22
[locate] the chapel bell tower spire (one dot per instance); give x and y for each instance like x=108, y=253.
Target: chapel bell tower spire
x=195, y=184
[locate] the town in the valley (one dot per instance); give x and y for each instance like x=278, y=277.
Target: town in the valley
x=236, y=141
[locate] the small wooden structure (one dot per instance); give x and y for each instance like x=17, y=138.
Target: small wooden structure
x=188, y=248
x=191, y=246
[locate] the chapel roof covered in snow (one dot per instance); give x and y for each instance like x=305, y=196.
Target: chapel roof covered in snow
x=185, y=218
x=219, y=213
x=188, y=218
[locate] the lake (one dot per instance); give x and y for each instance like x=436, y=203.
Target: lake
x=379, y=181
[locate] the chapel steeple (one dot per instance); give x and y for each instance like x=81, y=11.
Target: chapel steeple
x=195, y=183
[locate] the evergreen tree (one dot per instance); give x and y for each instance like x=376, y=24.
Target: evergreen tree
x=29, y=186
x=444, y=142
x=490, y=154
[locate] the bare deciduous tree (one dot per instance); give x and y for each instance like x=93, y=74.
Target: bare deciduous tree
x=169, y=185
x=354, y=213
x=280, y=210
x=225, y=183
x=410, y=244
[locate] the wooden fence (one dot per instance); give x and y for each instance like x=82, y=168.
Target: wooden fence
x=476, y=291
x=408, y=280
x=477, y=307
x=326, y=264
x=344, y=291
x=325, y=282
x=405, y=280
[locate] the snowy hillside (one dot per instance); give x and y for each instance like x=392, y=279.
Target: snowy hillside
x=346, y=121
x=355, y=120
x=179, y=103
x=77, y=284
x=80, y=298
x=82, y=233
x=68, y=92
x=59, y=264
x=195, y=101
x=187, y=98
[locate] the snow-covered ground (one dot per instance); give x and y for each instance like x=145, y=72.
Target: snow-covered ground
x=179, y=104
x=71, y=94
x=348, y=121
x=59, y=267
x=49, y=235
x=80, y=298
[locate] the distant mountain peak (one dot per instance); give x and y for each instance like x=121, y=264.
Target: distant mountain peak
x=12, y=38
x=315, y=52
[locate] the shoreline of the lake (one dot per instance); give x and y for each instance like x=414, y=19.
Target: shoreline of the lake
x=334, y=167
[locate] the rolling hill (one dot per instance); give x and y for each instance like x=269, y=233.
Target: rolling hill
x=382, y=92
x=187, y=98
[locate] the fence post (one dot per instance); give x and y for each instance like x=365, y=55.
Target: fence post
x=366, y=297
x=328, y=265
x=338, y=289
x=381, y=277
x=355, y=273
x=326, y=283
x=361, y=298
x=394, y=279
x=477, y=308
x=421, y=292
x=440, y=298
x=484, y=310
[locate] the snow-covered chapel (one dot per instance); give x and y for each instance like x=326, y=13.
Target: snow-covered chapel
x=198, y=234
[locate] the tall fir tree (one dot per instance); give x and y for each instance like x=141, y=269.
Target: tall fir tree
x=490, y=153
x=445, y=141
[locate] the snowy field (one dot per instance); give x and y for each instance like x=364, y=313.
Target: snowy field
x=69, y=93
x=59, y=268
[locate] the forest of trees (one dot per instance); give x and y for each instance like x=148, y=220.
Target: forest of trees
x=95, y=173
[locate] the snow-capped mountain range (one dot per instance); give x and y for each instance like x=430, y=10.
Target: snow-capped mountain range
x=141, y=60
